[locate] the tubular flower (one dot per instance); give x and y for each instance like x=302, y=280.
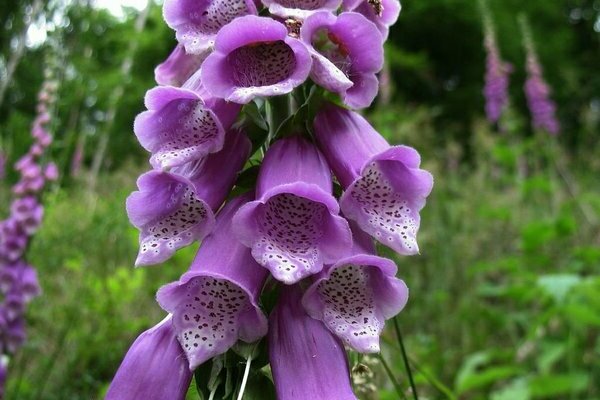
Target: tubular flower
x=153, y=369
x=216, y=302
x=384, y=187
x=541, y=106
x=496, y=79
x=180, y=126
x=254, y=56
x=299, y=9
x=178, y=67
x=293, y=227
x=174, y=209
x=383, y=13
x=197, y=22
x=307, y=361
x=354, y=296
x=347, y=52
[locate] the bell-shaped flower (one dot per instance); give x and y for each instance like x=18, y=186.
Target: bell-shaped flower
x=254, y=56
x=307, y=361
x=174, y=209
x=354, y=296
x=28, y=212
x=299, y=9
x=14, y=335
x=384, y=187
x=51, y=171
x=383, y=13
x=216, y=302
x=178, y=67
x=196, y=22
x=293, y=226
x=14, y=305
x=21, y=277
x=180, y=126
x=154, y=368
x=347, y=52
x=12, y=240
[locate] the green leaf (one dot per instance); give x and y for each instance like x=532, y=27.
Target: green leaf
x=515, y=390
x=558, y=384
x=559, y=285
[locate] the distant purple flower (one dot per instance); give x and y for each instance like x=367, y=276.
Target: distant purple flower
x=154, y=368
x=180, y=126
x=293, y=226
x=254, y=56
x=541, y=106
x=307, y=361
x=383, y=13
x=174, y=209
x=300, y=9
x=178, y=67
x=216, y=302
x=496, y=80
x=354, y=296
x=347, y=52
x=197, y=22
x=384, y=187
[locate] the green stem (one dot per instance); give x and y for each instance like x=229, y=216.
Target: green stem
x=278, y=111
x=395, y=383
x=245, y=379
x=405, y=358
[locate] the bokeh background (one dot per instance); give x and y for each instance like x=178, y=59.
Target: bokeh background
x=505, y=297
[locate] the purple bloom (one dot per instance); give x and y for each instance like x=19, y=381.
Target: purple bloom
x=254, y=56
x=541, y=106
x=383, y=13
x=180, y=126
x=14, y=335
x=153, y=369
x=51, y=171
x=174, y=209
x=354, y=296
x=347, y=52
x=28, y=213
x=384, y=187
x=293, y=227
x=21, y=278
x=299, y=9
x=216, y=302
x=307, y=361
x=178, y=67
x=196, y=22
x=496, y=80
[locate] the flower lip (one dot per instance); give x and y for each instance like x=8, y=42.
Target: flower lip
x=299, y=9
x=254, y=56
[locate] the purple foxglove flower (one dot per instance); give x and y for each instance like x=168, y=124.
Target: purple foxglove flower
x=153, y=369
x=174, y=209
x=180, y=126
x=383, y=13
x=300, y=9
x=196, y=22
x=293, y=227
x=13, y=304
x=216, y=302
x=307, y=361
x=384, y=187
x=12, y=240
x=178, y=67
x=51, y=172
x=254, y=56
x=354, y=296
x=28, y=212
x=14, y=335
x=496, y=80
x=347, y=52
x=24, y=162
x=28, y=283
x=541, y=106
x=9, y=277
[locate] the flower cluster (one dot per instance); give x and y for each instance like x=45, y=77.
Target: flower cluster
x=18, y=279
x=496, y=78
x=286, y=85
x=541, y=106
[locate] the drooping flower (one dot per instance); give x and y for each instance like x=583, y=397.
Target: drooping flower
x=496, y=79
x=154, y=368
x=307, y=361
x=354, y=296
x=384, y=187
x=254, y=56
x=215, y=303
x=178, y=67
x=197, y=22
x=537, y=91
x=347, y=52
x=174, y=209
x=383, y=13
x=300, y=9
x=293, y=226
x=180, y=126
